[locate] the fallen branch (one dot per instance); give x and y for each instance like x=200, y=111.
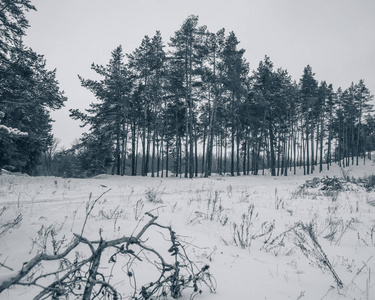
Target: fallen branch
x=82, y=277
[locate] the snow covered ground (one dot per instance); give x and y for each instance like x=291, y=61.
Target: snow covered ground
x=274, y=261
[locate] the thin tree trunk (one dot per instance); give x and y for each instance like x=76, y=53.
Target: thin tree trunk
x=288, y=155
x=352, y=143
x=329, y=158
x=312, y=166
x=136, y=155
x=157, y=157
x=196, y=151
x=187, y=161
x=294, y=155
x=162, y=154
x=317, y=140
x=204, y=152
x=125, y=151
x=153, y=154
x=167, y=160
x=307, y=150
x=238, y=153
x=232, y=153
x=133, y=129
x=304, y=154
x=117, y=153
x=321, y=143
x=248, y=157
x=220, y=165
x=177, y=158
x=180, y=160
x=272, y=150
x=210, y=142
x=244, y=154
x=278, y=153
x=144, y=151
x=359, y=135
x=225, y=155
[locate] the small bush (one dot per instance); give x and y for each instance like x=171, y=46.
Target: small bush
x=152, y=195
x=324, y=184
x=368, y=182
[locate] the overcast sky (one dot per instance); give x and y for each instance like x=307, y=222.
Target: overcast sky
x=335, y=37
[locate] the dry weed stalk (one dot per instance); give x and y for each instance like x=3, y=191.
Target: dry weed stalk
x=314, y=249
x=9, y=224
x=303, y=236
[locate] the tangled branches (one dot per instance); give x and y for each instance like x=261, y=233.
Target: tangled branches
x=91, y=276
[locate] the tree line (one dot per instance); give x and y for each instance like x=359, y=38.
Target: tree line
x=192, y=107
x=188, y=108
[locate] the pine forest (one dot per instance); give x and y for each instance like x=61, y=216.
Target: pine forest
x=190, y=107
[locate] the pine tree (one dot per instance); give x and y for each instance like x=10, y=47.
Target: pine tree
x=330, y=104
x=213, y=90
x=308, y=92
x=185, y=46
x=235, y=74
x=27, y=92
x=147, y=63
x=107, y=118
x=13, y=24
x=362, y=98
x=265, y=90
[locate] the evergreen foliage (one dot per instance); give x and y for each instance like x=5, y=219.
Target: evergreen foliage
x=28, y=91
x=194, y=109
x=189, y=108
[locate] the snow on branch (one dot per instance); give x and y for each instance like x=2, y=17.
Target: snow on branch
x=13, y=131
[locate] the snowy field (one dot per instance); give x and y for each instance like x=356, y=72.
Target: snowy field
x=251, y=230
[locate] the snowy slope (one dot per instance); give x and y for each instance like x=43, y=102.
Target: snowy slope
x=208, y=213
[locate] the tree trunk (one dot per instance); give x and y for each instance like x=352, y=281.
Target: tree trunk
x=329, y=158
x=125, y=149
x=307, y=150
x=136, y=154
x=244, y=154
x=162, y=154
x=278, y=153
x=272, y=150
x=238, y=153
x=294, y=151
x=321, y=143
x=204, y=153
x=225, y=155
x=157, y=156
x=167, y=159
x=133, y=129
x=196, y=150
x=312, y=166
x=153, y=154
x=220, y=163
x=144, y=152
x=232, y=152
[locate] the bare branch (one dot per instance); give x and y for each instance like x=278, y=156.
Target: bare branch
x=83, y=279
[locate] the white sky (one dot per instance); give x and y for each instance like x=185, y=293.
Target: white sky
x=335, y=37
